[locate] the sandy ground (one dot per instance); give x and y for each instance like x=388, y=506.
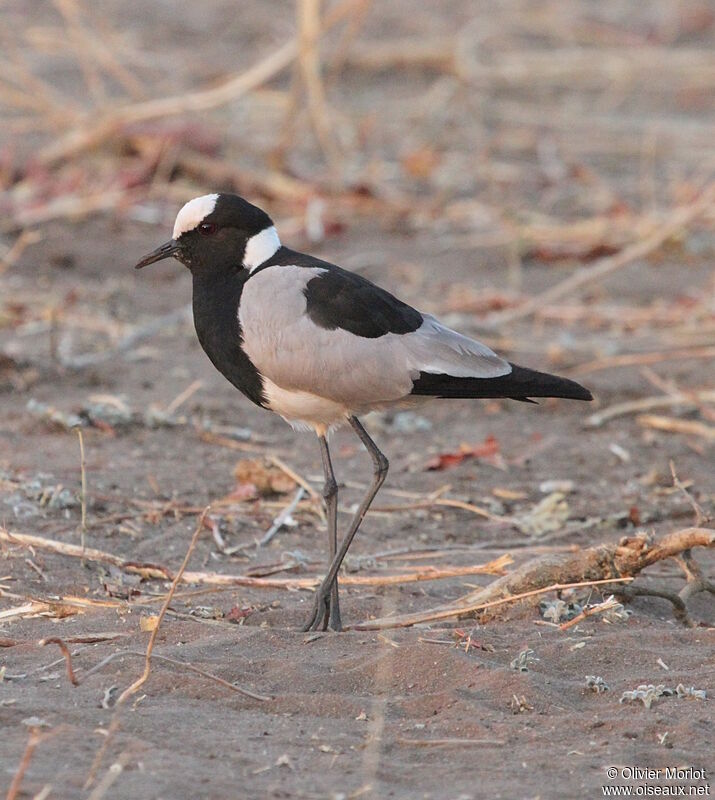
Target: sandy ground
x=433, y=711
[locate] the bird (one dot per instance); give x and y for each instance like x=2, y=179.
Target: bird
x=321, y=346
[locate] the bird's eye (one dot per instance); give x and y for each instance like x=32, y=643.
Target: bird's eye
x=207, y=228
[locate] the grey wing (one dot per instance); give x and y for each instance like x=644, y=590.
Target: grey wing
x=289, y=349
x=437, y=349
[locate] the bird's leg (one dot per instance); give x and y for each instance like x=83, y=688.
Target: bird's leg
x=381, y=465
x=331, y=616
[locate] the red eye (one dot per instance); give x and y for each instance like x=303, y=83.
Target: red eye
x=207, y=228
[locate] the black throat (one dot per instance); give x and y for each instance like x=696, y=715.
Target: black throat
x=215, y=301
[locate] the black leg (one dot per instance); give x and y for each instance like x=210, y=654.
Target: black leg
x=323, y=592
x=331, y=617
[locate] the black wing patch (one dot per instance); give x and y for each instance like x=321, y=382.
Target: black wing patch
x=341, y=299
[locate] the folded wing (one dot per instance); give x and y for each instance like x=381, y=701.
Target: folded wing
x=313, y=329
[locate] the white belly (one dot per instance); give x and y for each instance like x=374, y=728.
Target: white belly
x=305, y=410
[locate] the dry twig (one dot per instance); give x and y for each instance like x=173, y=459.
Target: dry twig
x=594, y=566
x=679, y=218
x=34, y=739
x=130, y=690
x=647, y=403
x=633, y=359
x=689, y=427
x=216, y=579
x=100, y=126
x=184, y=665
x=66, y=654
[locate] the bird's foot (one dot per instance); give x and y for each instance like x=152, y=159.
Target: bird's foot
x=325, y=615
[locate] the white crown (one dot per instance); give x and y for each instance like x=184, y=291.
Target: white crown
x=194, y=212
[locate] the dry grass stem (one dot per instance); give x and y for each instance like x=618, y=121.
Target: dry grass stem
x=679, y=218
x=113, y=772
x=308, y=13
x=634, y=359
x=700, y=517
x=23, y=241
x=101, y=126
x=684, y=399
x=83, y=494
x=450, y=742
x=34, y=739
x=97, y=761
x=184, y=665
x=689, y=427
x=66, y=655
x=130, y=690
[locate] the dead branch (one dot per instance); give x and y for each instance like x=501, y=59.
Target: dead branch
x=690, y=427
x=90, y=553
x=92, y=131
x=679, y=218
x=605, y=564
x=685, y=399
x=632, y=359
x=494, y=567
x=680, y=610
x=268, y=183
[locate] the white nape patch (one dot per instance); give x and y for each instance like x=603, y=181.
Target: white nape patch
x=261, y=247
x=193, y=213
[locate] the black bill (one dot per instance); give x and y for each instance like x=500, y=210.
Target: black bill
x=165, y=251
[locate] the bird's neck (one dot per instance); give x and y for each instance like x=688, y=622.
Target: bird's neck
x=216, y=299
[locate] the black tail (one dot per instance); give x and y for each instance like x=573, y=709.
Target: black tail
x=520, y=384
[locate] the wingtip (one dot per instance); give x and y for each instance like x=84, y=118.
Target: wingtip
x=583, y=394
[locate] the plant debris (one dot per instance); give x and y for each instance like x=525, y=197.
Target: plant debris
x=559, y=610
x=488, y=451
x=547, y=516
x=648, y=693
x=596, y=684
x=259, y=477
x=524, y=660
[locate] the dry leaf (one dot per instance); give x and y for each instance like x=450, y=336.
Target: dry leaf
x=550, y=514
x=488, y=451
x=266, y=478
x=148, y=624
x=508, y=494
x=420, y=163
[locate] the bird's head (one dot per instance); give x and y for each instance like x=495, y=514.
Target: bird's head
x=218, y=233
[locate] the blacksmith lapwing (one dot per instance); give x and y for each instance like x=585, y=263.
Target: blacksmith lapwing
x=321, y=346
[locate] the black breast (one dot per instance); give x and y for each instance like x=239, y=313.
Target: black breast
x=215, y=301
